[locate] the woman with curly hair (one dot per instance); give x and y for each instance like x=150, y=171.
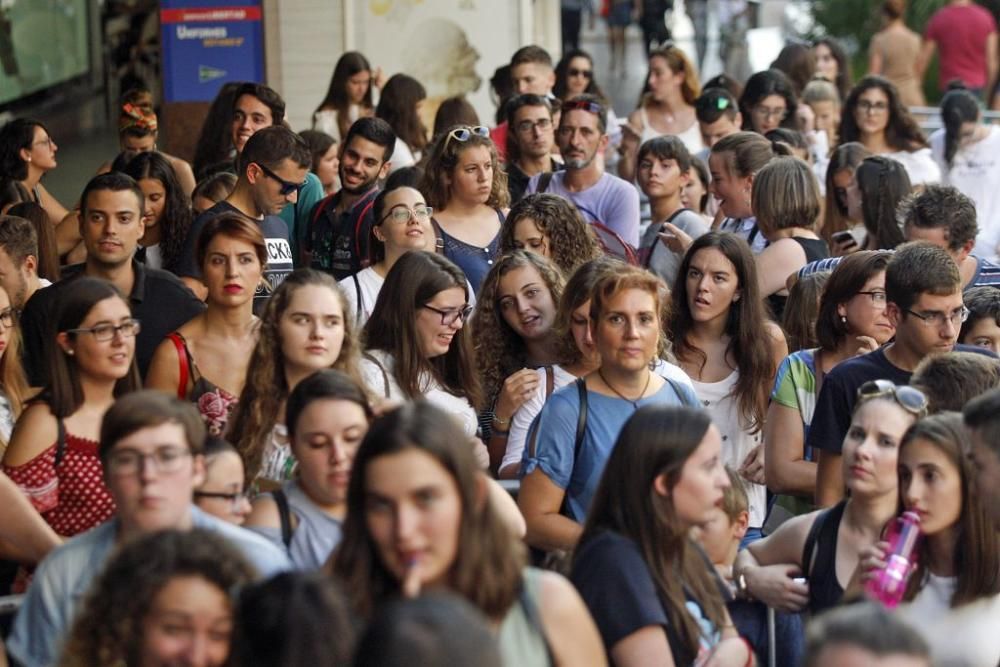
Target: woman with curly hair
x=536, y=220
x=305, y=327
x=161, y=598
x=232, y=255
x=399, y=105
x=467, y=189
x=168, y=210
x=875, y=116
x=513, y=330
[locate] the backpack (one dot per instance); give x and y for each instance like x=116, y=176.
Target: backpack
x=320, y=209
x=609, y=240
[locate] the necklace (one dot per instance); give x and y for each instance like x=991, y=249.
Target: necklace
x=635, y=403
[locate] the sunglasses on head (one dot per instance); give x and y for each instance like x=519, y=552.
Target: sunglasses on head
x=463, y=134
x=585, y=105
x=287, y=187
x=910, y=399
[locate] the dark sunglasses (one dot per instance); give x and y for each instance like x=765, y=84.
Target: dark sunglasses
x=585, y=73
x=287, y=187
x=910, y=399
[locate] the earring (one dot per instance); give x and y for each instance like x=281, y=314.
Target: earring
x=843, y=320
x=70, y=352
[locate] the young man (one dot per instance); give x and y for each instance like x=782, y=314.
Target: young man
x=718, y=116
x=111, y=209
x=151, y=452
x=982, y=418
x=923, y=294
x=599, y=196
x=340, y=225
x=19, y=260
x=255, y=108
x=663, y=167
x=530, y=138
x=947, y=218
x=531, y=71
x=273, y=166
x=966, y=35
x=864, y=635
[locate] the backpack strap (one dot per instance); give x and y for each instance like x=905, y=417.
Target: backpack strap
x=183, y=364
x=438, y=239
x=385, y=376
x=60, y=442
x=364, y=261
x=357, y=298
x=811, y=538
x=318, y=211
x=284, y=514
x=544, y=181
x=581, y=420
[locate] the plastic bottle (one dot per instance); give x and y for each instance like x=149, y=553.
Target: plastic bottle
x=889, y=584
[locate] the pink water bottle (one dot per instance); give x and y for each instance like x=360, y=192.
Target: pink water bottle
x=889, y=584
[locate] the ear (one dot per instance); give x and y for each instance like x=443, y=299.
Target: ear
x=25, y=154
x=966, y=249
x=660, y=485
x=740, y=525
x=685, y=177
x=64, y=342
x=197, y=470
x=737, y=295
x=738, y=121
x=377, y=231
x=252, y=173
x=842, y=309
x=893, y=313
x=603, y=145
x=31, y=263
x=384, y=171
x=551, y=80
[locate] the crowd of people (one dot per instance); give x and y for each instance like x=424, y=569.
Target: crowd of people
x=567, y=388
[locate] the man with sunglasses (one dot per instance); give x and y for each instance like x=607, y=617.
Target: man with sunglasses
x=530, y=139
x=924, y=302
x=599, y=196
x=152, y=454
x=272, y=170
x=111, y=225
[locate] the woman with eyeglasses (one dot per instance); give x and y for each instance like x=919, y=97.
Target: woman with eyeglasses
x=825, y=547
x=578, y=426
x=206, y=361
x=327, y=417
x=953, y=594
x=851, y=321
x=875, y=116
x=399, y=105
x=550, y=226
x=417, y=344
x=53, y=453
x=402, y=222
x=223, y=493
x=514, y=331
x=305, y=327
x=418, y=520
x=666, y=106
x=467, y=189
x=768, y=101
x=28, y=153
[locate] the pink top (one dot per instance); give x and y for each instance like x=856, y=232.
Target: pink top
x=960, y=32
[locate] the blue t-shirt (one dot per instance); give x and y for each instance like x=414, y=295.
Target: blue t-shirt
x=611, y=201
x=606, y=415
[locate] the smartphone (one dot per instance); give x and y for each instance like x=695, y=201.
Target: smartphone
x=844, y=237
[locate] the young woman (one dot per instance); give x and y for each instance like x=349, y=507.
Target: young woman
x=164, y=598
x=206, y=361
x=825, y=546
x=768, y=101
x=578, y=426
x=513, y=328
x=654, y=595
x=417, y=520
x=893, y=53
x=982, y=328
x=305, y=327
x=666, y=106
x=822, y=129
x=537, y=219
x=325, y=161
x=53, y=453
x=168, y=210
x=851, y=321
x=723, y=341
x=416, y=341
x=402, y=222
x=27, y=153
x=965, y=150
x=575, y=76
x=13, y=383
x=844, y=161
x=214, y=150
x=833, y=64
x=399, y=105
x=785, y=198
x=575, y=350
x=879, y=184
x=223, y=493
x=798, y=62
x=348, y=98
x=953, y=596
x=734, y=163
x=874, y=115
x=468, y=191
x=802, y=309
x=327, y=417
x=696, y=192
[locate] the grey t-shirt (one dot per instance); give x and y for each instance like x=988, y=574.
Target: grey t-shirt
x=661, y=260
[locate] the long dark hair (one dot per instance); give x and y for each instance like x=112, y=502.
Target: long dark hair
x=764, y=84
x=15, y=136
x=902, y=131
x=957, y=107
x=846, y=280
x=745, y=326
x=215, y=141
x=398, y=107
x=562, y=73
x=488, y=561
x=845, y=157
x=336, y=97
x=843, y=81
x=655, y=441
x=412, y=282
x=883, y=183
x=176, y=218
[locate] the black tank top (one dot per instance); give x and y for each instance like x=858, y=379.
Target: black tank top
x=824, y=589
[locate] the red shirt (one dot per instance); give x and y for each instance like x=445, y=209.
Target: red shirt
x=960, y=32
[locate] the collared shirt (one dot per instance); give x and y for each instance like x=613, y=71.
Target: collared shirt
x=65, y=576
x=159, y=300
x=339, y=243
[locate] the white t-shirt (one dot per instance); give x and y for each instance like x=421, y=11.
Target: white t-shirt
x=368, y=285
x=975, y=171
x=402, y=156
x=920, y=166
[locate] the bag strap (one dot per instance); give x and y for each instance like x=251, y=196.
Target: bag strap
x=385, y=376
x=544, y=181
x=550, y=386
x=811, y=538
x=183, y=364
x=357, y=298
x=364, y=261
x=284, y=514
x=682, y=395
x=581, y=420
x=60, y=441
